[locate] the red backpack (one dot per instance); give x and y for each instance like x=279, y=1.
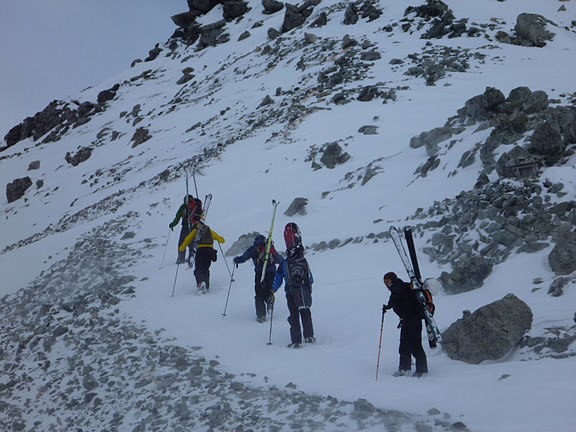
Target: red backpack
x=194, y=209
x=262, y=253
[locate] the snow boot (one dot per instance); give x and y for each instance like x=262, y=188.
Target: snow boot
x=294, y=345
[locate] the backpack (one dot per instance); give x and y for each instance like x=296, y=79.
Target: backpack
x=298, y=272
x=299, y=277
x=262, y=254
x=206, y=235
x=428, y=300
x=194, y=206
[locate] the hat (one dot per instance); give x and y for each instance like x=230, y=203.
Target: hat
x=259, y=240
x=391, y=275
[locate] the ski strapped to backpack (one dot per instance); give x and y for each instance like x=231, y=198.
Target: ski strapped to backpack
x=269, y=241
x=428, y=299
x=199, y=230
x=422, y=294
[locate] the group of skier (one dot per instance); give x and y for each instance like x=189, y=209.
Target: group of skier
x=271, y=270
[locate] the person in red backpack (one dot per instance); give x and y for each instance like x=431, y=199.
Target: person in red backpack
x=264, y=295
x=190, y=212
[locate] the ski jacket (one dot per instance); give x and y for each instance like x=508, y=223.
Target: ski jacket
x=207, y=239
x=403, y=300
x=282, y=275
x=254, y=253
x=182, y=213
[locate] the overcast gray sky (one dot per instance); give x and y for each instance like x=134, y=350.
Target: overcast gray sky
x=51, y=49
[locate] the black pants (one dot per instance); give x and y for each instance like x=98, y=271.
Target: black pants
x=294, y=320
x=183, y=234
x=262, y=291
x=411, y=345
x=202, y=263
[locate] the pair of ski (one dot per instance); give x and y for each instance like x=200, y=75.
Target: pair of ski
x=413, y=270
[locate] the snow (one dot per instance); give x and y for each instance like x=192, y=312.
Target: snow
x=508, y=395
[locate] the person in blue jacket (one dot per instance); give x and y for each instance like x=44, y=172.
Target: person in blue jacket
x=264, y=295
x=295, y=273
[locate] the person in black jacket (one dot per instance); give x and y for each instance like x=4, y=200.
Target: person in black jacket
x=264, y=295
x=405, y=304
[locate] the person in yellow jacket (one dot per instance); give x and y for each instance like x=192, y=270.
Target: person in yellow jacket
x=204, y=255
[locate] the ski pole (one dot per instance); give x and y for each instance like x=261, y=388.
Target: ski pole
x=175, y=278
x=271, y=319
x=229, y=288
x=165, y=249
x=380, y=344
x=225, y=261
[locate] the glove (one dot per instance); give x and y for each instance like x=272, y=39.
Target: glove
x=236, y=261
x=386, y=308
x=171, y=226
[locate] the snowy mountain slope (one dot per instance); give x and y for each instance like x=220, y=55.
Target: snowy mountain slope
x=246, y=154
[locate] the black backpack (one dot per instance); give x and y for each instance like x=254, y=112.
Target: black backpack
x=299, y=277
x=298, y=272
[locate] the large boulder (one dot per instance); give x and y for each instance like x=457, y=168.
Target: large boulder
x=562, y=258
x=531, y=28
x=484, y=106
x=547, y=142
x=490, y=332
x=332, y=155
x=292, y=18
x=431, y=139
x=271, y=6
x=468, y=274
x=81, y=155
x=17, y=188
x=298, y=206
x=243, y=243
x=202, y=6
x=184, y=19
x=234, y=9
x=524, y=100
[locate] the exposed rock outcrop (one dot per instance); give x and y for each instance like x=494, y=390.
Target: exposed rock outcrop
x=16, y=189
x=490, y=332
